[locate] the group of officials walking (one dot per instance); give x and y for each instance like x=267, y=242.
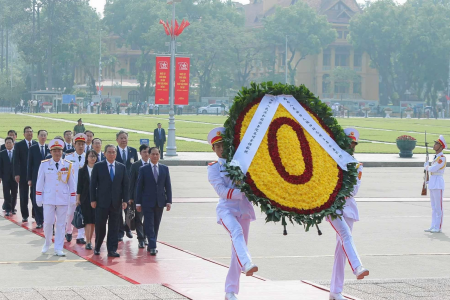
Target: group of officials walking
x=75, y=171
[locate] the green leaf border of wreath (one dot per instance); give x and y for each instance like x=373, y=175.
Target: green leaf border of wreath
x=274, y=214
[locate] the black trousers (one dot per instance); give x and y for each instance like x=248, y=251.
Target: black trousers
x=25, y=193
x=152, y=220
x=160, y=146
x=111, y=216
x=9, y=193
x=38, y=211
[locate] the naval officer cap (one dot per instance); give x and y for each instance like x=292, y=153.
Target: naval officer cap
x=352, y=133
x=80, y=137
x=441, y=141
x=56, y=144
x=215, y=135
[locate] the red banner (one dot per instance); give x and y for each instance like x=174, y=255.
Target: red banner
x=162, y=80
x=182, y=66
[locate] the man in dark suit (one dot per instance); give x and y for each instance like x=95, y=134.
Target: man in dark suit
x=7, y=176
x=127, y=156
x=109, y=195
x=20, y=164
x=11, y=133
x=153, y=193
x=159, y=137
x=97, y=146
x=36, y=154
x=68, y=143
x=143, y=150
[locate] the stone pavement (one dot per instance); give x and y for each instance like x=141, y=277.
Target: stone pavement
x=398, y=289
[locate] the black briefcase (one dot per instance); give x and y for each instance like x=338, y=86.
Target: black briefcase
x=78, y=220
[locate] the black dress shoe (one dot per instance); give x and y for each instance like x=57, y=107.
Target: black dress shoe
x=24, y=220
x=129, y=234
x=81, y=241
x=120, y=239
x=141, y=244
x=152, y=251
x=39, y=226
x=69, y=237
x=88, y=246
x=7, y=214
x=14, y=212
x=96, y=252
x=113, y=254
x=146, y=242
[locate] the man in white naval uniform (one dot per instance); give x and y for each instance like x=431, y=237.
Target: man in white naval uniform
x=345, y=248
x=77, y=159
x=436, y=185
x=234, y=213
x=55, y=190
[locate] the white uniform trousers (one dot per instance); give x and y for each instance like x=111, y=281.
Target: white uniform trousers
x=345, y=248
x=50, y=213
x=69, y=226
x=437, y=213
x=238, y=229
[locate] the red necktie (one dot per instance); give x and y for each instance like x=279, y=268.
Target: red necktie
x=29, y=144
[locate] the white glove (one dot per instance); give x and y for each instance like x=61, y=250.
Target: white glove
x=39, y=204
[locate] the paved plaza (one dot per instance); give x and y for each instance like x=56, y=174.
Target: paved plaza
x=404, y=261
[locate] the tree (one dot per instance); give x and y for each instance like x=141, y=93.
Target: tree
x=308, y=36
x=343, y=77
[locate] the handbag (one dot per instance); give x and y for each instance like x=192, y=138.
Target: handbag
x=78, y=220
x=130, y=217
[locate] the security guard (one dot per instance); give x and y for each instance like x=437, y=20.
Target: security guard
x=77, y=159
x=55, y=191
x=436, y=184
x=345, y=248
x=235, y=213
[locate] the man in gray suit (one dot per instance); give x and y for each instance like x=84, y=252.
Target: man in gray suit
x=109, y=195
x=153, y=193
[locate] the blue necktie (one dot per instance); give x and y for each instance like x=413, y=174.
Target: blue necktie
x=111, y=172
x=155, y=173
x=42, y=152
x=159, y=133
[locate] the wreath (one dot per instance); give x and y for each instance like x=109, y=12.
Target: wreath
x=291, y=176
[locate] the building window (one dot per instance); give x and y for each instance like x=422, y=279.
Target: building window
x=326, y=84
x=345, y=35
x=342, y=57
x=357, y=61
x=326, y=59
x=339, y=33
x=283, y=59
x=133, y=96
x=357, y=86
x=133, y=66
x=341, y=87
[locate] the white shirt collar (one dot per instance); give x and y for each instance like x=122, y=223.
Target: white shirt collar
x=114, y=164
x=126, y=148
x=148, y=161
x=41, y=145
x=157, y=164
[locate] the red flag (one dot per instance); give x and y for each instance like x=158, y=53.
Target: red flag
x=165, y=26
x=170, y=27
x=183, y=26
x=176, y=28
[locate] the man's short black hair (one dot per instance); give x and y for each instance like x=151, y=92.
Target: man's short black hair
x=9, y=138
x=90, y=132
x=12, y=131
x=121, y=132
x=39, y=132
x=27, y=127
x=143, y=147
x=109, y=146
x=151, y=149
x=96, y=139
x=67, y=132
x=158, y=124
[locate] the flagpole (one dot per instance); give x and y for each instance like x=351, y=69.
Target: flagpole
x=171, y=148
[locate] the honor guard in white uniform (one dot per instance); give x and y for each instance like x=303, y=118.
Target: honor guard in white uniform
x=345, y=248
x=55, y=191
x=436, y=185
x=234, y=213
x=77, y=159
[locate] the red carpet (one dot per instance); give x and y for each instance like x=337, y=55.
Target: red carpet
x=184, y=272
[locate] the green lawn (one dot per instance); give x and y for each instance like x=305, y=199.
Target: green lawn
x=197, y=127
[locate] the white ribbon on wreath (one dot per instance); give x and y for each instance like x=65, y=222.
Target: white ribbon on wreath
x=261, y=121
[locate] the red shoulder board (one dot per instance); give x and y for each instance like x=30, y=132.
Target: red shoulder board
x=212, y=163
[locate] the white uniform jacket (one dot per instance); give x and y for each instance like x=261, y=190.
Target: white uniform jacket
x=350, y=208
x=55, y=186
x=231, y=200
x=436, y=172
x=76, y=164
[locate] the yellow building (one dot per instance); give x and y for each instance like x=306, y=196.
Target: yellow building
x=114, y=85
x=314, y=71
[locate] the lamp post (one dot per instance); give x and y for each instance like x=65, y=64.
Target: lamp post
x=285, y=63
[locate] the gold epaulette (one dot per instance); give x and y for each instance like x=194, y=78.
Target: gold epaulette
x=358, y=165
x=45, y=160
x=68, y=161
x=212, y=163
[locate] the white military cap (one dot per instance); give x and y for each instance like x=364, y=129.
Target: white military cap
x=352, y=133
x=56, y=144
x=80, y=137
x=215, y=135
x=441, y=141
